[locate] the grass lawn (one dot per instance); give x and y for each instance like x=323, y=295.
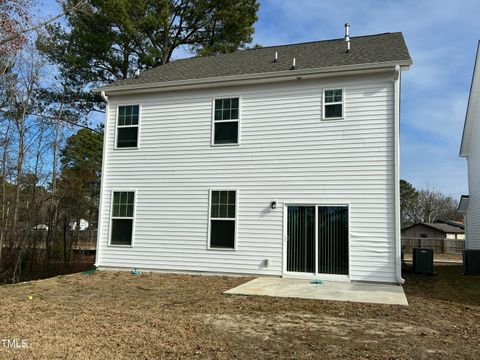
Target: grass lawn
x=111, y=315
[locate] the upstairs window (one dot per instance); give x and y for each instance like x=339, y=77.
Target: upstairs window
x=333, y=104
x=222, y=219
x=122, y=218
x=226, y=121
x=127, y=126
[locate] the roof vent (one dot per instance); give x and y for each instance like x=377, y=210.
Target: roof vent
x=275, y=59
x=347, y=36
x=293, y=64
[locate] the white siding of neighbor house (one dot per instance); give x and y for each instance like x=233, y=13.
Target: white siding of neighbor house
x=287, y=153
x=473, y=211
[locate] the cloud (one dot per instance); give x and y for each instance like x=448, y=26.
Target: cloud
x=441, y=37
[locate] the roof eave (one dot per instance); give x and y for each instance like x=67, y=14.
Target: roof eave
x=254, y=78
x=463, y=203
x=470, y=114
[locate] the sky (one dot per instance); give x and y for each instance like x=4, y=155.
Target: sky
x=442, y=38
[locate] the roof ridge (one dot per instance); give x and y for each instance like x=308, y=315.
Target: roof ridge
x=319, y=41
x=284, y=45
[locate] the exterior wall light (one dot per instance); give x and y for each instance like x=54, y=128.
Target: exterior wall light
x=273, y=204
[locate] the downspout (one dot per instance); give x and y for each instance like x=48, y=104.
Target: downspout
x=102, y=179
x=396, y=166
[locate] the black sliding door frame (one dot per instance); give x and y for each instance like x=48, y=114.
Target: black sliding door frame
x=316, y=272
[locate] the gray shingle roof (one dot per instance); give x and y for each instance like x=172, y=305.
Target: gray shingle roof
x=388, y=47
x=446, y=228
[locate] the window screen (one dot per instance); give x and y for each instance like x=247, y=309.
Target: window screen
x=333, y=104
x=122, y=217
x=127, y=126
x=222, y=219
x=225, y=122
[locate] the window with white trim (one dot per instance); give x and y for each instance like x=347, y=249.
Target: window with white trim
x=222, y=219
x=127, y=126
x=226, y=121
x=122, y=218
x=333, y=104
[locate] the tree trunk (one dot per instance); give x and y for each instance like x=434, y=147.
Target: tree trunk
x=65, y=223
x=53, y=207
x=20, y=155
x=4, y=218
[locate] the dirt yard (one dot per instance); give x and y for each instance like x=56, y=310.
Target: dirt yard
x=439, y=258
x=151, y=316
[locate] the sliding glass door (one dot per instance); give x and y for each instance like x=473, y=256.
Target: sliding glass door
x=301, y=239
x=332, y=222
x=317, y=240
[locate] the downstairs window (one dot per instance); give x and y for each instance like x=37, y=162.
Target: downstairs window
x=122, y=218
x=222, y=219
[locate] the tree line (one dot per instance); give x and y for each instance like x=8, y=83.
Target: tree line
x=426, y=205
x=50, y=135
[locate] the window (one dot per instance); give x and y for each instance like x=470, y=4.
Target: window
x=333, y=104
x=127, y=126
x=122, y=218
x=222, y=219
x=225, y=122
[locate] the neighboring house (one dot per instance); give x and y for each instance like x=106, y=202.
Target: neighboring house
x=279, y=160
x=456, y=223
x=433, y=230
x=470, y=149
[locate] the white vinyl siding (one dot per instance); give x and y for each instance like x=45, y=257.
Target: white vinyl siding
x=473, y=211
x=288, y=154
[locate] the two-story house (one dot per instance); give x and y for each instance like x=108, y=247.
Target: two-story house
x=279, y=160
x=470, y=149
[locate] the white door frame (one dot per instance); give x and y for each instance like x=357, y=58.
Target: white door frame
x=315, y=275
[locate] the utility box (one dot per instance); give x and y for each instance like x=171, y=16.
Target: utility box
x=471, y=262
x=423, y=261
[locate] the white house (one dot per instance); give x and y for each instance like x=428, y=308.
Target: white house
x=279, y=160
x=470, y=149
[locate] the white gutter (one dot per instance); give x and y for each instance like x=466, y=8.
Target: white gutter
x=104, y=162
x=246, y=79
x=396, y=166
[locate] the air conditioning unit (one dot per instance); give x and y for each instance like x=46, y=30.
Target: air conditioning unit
x=471, y=262
x=423, y=261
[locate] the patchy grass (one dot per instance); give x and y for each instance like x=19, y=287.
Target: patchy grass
x=112, y=315
x=449, y=285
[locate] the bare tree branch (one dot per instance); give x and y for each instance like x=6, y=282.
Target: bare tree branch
x=66, y=121
x=24, y=31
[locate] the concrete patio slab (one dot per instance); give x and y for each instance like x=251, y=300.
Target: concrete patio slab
x=327, y=290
